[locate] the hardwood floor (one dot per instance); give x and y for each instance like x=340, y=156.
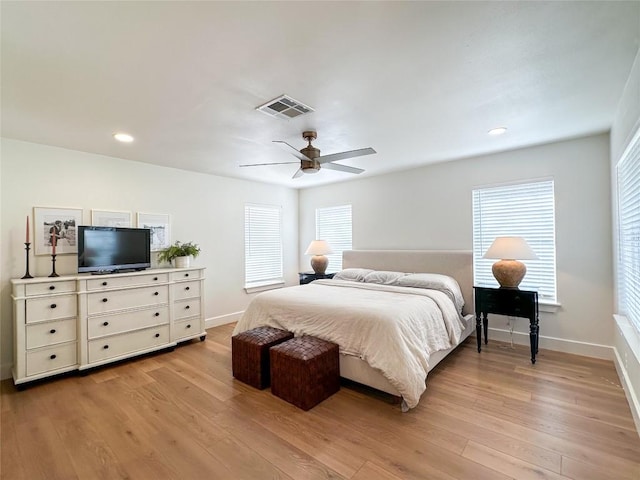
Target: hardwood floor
x=181, y=415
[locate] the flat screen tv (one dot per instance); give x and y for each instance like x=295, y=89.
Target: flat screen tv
x=113, y=249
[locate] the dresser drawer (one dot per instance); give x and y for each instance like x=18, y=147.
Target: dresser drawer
x=45, y=288
x=186, y=275
x=109, y=301
x=51, y=333
x=186, y=308
x=131, y=342
x=51, y=358
x=125, y=281
x=184, y=290
x=125, y=322
x=186, y=328
x=51, y=307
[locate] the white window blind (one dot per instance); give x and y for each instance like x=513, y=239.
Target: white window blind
x=525, y=210
x=262, y=244
x=333, y=224
x=629, y=232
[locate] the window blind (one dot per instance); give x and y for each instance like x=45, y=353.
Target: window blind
x=525, y=210
x=333, y=224
x=628, y=173
x=263, y=244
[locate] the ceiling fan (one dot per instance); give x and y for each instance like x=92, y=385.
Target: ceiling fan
x=311, y=161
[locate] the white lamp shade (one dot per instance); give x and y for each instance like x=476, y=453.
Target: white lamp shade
x=318, y=247
x=510, y=248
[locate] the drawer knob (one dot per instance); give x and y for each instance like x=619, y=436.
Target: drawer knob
x=189, y=326
x=105, y=300
x=187, y=288
x=104, y=324
x=104, y=284
x=53, y=330
x=52, y=287
x=157, y=314
x=156, y=293
x=187, y=307
x=155, y=278
x=106, y=347
x=186, y=274
x=157, y=335
x=53, y=305
x=53, y=357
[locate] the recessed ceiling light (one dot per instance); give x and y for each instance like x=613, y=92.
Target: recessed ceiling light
x=123, y=137
x=497, y=131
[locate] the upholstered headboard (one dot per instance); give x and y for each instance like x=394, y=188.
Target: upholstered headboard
x=455, y=263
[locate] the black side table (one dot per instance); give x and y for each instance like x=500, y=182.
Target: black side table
x=308, y=277
x=507, y=301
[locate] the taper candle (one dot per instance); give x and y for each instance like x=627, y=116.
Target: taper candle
x=27, y=240
x=53, y=243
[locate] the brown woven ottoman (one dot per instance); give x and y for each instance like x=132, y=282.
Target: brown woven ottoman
x=250, y=354
x=305, y=370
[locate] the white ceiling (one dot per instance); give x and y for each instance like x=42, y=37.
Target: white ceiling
x=420, y=82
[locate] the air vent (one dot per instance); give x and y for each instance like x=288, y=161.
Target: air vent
x=284, y=107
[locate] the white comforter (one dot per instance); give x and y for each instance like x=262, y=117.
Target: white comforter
x=394, y=329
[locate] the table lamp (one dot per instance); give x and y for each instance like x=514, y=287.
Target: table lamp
x=508, y=271
x=319, y=248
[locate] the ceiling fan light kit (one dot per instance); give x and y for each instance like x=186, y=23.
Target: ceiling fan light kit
x=311, y=161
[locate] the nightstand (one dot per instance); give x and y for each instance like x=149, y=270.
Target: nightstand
x=507, y=301
x=308, y=277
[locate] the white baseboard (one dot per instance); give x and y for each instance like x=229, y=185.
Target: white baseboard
x=558, y=344
x=625, y=380
x=627, y=362
x=5, y=371
x=222, y=319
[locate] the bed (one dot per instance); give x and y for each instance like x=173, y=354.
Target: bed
x=365, y=317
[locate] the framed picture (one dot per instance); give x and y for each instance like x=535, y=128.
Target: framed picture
x=110, y=218
x=160, y=229
x=59, y=222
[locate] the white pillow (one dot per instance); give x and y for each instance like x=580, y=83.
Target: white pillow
x=352, y=274
x=434, y=281
x=383, y=277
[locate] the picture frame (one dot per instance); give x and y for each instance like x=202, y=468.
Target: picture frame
x=159, y=224
x=61, y=221
x=110, y=218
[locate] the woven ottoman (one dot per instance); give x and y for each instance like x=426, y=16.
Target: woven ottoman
x=250, y=354
x=305, y=371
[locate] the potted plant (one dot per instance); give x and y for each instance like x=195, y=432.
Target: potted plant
x=180, y=252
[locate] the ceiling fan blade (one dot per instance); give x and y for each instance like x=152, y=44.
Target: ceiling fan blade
x=342, y=168
x=261, y=164
x=298, y=173
x=292, y=150
x=341, y=156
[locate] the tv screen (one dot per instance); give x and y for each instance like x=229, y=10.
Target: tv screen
x=113, y=249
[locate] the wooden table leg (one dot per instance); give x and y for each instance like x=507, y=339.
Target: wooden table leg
x=485, y=323
x=533, y=338
x=479, y=331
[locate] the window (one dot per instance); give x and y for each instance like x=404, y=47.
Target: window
x=333, y=224
x=262, y=245
x=628, y=173
x=525, y=210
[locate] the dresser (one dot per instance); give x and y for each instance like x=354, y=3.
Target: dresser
x=83, y=321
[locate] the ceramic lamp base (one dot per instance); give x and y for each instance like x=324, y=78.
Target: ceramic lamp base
x=319, y=264
x=509, y=273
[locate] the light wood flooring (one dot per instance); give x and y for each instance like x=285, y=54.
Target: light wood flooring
x=181, y=415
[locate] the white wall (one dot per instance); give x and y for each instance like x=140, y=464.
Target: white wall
x=206, y=209
x=627, y=337
x=430, y=208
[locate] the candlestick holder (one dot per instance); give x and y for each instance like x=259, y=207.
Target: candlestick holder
x=53, y=265
x=27, y=246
